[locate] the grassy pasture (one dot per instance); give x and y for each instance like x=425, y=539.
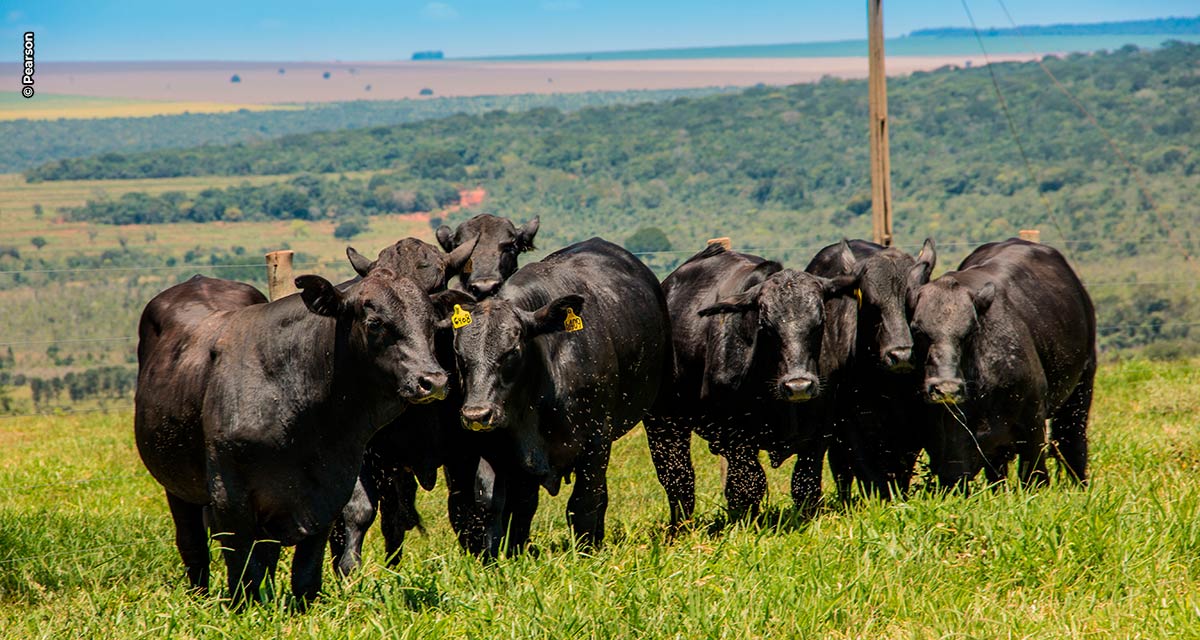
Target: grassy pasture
x=63, y=106
x=86, y=551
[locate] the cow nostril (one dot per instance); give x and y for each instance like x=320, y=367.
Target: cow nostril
x=898, y=357
x=480, y=288
x=477, y=418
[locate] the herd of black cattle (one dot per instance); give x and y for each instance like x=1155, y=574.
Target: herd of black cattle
x=292, y=422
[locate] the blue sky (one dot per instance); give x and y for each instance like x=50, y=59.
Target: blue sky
x=379, y=30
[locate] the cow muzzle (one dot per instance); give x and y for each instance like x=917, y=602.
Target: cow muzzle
x=483, y=287
x=480, y=418
x=430, y=387
x=898, y=359
x=944, y=390
x=799, y=389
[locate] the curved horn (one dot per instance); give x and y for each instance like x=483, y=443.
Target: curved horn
x=456, y=259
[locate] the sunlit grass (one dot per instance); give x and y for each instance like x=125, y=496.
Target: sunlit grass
x=86, y=551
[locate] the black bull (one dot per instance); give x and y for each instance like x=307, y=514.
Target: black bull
x=564, y=359
x=875, y=419
x=747, y=375
x=483, y=252
x=259, y=412
x=1007, y=341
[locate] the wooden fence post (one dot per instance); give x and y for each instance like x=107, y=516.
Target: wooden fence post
x=279, y=274
x=724, y=242
x=1031, y=235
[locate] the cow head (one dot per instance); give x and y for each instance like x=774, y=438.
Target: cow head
x=417, y=260
x=945, y=321
x=785, y=309
x=493, y=352
x=887, y=280
x=494, y=258
x=389, y=325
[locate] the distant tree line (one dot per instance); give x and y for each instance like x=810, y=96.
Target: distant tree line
x=29, y=143
x=304, y=197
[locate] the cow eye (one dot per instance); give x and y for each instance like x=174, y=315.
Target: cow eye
x=374, y=323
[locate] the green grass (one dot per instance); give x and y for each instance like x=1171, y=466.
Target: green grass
x=86, y=551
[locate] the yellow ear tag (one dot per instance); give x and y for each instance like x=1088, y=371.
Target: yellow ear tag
x=460, y=318
x=858, y=296
x=573, y=322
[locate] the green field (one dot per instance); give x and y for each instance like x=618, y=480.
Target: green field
x=86, y=551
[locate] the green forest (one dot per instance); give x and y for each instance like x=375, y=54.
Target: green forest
x=791, y=162
x=32, y=142
x=782, y=171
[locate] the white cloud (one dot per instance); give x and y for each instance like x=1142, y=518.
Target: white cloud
x=561, y=5
x=440, y=11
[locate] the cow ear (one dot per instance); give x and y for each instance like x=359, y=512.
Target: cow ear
x=319, y=296
x=362, y=266
x=838, y=286
x=457, y=259
x=846, y=256
x=444, y=303
x=736, y=303
x=984, y=297
x=926, y=260
x=553, y=316
x=526, y=234
x=444, y=238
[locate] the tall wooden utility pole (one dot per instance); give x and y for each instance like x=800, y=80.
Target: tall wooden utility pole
x=881, y=166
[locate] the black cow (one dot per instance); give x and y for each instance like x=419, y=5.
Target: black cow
x=564, y=359
x=876, y=410
x=256, y=414
x=747, y=337
x=1007, y=341
x=407, y=453
x=499, y=242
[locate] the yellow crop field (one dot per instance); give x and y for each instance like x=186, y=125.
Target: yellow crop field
x=56, y=106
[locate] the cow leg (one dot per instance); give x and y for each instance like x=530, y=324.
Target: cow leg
x=589, y=499
x=398, y=512
x=843, y=471
x=746, y=484
x=346, y=537
x=247, y=562
x=191, y=538
x=806, y=480
x=520, y=506
x=463, y=506
x=306, y=568
x=1031, y=467
x=1068, y=428
x=670, y=449
x=484, y=531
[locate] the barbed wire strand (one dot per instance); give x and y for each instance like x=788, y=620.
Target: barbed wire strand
x=1137, y=176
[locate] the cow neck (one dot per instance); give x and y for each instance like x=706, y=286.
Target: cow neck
x=314, y=353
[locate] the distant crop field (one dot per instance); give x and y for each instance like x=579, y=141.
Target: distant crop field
x=86, y=551
x=21, y=223
x=55, y=106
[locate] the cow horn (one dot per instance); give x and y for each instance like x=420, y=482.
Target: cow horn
x=457, y=258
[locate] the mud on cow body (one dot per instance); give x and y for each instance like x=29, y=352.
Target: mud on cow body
x=1008, y=341
x=875, y=419
x=258, y=413
x=747, y=344
x=550, y=397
